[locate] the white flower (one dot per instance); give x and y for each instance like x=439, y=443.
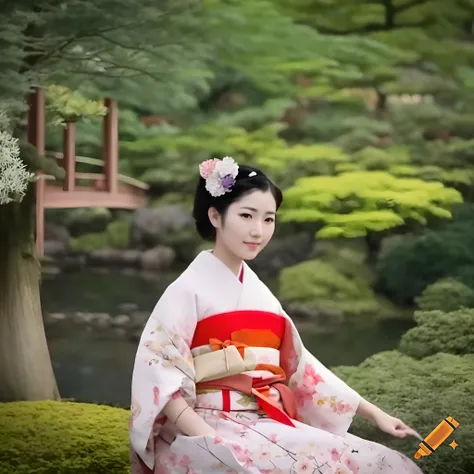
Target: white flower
x=227, y=166
x=214, y=185
x=14, y=177
x=304, y=466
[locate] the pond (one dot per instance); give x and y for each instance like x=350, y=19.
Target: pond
x=96, y=365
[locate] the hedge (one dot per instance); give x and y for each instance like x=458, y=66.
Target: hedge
x=47, y=437
x=78, y=438
x=447, y=294
x=437, y=331
x=421, y=393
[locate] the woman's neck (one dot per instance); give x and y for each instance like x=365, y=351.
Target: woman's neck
x=233, y=262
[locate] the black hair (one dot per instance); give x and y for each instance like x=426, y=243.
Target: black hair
x=248, y=179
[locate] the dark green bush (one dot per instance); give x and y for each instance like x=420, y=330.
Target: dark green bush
x=63, y=438
x=421, y=393
x=452, y=333
x=409, y=263
x=446, y=295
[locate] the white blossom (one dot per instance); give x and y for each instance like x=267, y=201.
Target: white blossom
x=214, y=185
x=14, y=176
x=227, y=166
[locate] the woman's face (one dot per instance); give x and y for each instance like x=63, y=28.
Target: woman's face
x=248, y=225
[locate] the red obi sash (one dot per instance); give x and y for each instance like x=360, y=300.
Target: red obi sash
x=246, y=329
x=222, y=325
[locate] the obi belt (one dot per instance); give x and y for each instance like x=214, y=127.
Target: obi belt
x=237, y=353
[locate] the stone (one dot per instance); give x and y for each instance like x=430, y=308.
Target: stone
x=121, y=320
x=56, y=233
x=149, y=226
x=53, y=317
x=107, y=256
x=130, y=257
x=55, y=248
x=158, y=258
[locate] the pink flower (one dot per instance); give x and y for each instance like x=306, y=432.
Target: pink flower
x=310, y=377
x=352, y=464
x=156, y=395
x=185, y=461
x=207, y=167
x=303, y=395
x=304, y=466
x=335, y=455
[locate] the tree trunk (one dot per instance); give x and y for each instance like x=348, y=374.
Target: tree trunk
x=26, y=372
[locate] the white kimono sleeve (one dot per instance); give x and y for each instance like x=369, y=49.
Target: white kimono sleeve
x=163, y=366
x=323, y=400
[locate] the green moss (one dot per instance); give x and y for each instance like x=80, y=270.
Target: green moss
x=343, y=284
x=63, y=438
x=421, y=393
x=447, y=294
x=437, y=331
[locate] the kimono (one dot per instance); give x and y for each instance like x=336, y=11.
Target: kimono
x=228, y=348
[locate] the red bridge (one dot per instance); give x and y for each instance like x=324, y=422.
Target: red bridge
x=105, y=189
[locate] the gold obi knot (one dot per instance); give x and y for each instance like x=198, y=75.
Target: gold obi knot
x=217, y=345
x=230, y=357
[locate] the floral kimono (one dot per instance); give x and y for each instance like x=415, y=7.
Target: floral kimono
x=226, y=346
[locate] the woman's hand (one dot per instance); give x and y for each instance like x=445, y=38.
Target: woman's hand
x=394, y=426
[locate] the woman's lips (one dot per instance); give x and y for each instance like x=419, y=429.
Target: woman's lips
x=252, y=245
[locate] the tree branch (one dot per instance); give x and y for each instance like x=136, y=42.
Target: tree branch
x=374, y=27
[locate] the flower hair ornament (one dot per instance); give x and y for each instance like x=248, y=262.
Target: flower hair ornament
x=219, y=175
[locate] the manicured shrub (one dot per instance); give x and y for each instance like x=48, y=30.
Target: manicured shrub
x=340, y=285
x=421, y=393
x=446, y=295
x=452, y=333
x=48, y=437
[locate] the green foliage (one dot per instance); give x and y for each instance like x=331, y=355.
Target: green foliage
x=66, y=105
x=336, y=282
x=63, y=438
x=450, y=332
x=89, y=242
x=408, y=264
x=116, y=235
x=421, y=393
x=353, y=204
x=447, y=294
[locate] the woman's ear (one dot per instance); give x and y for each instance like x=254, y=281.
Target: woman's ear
x=214, y=217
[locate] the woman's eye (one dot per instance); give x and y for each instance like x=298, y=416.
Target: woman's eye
x=269, y=219
x=245, y=216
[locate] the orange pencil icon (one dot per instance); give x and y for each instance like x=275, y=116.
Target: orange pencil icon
x=437, y=437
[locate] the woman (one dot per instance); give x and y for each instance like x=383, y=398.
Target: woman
x=222, y=382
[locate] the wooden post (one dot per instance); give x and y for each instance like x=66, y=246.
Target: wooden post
x=111, y=145
x=69, y=158
x=36, y=136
